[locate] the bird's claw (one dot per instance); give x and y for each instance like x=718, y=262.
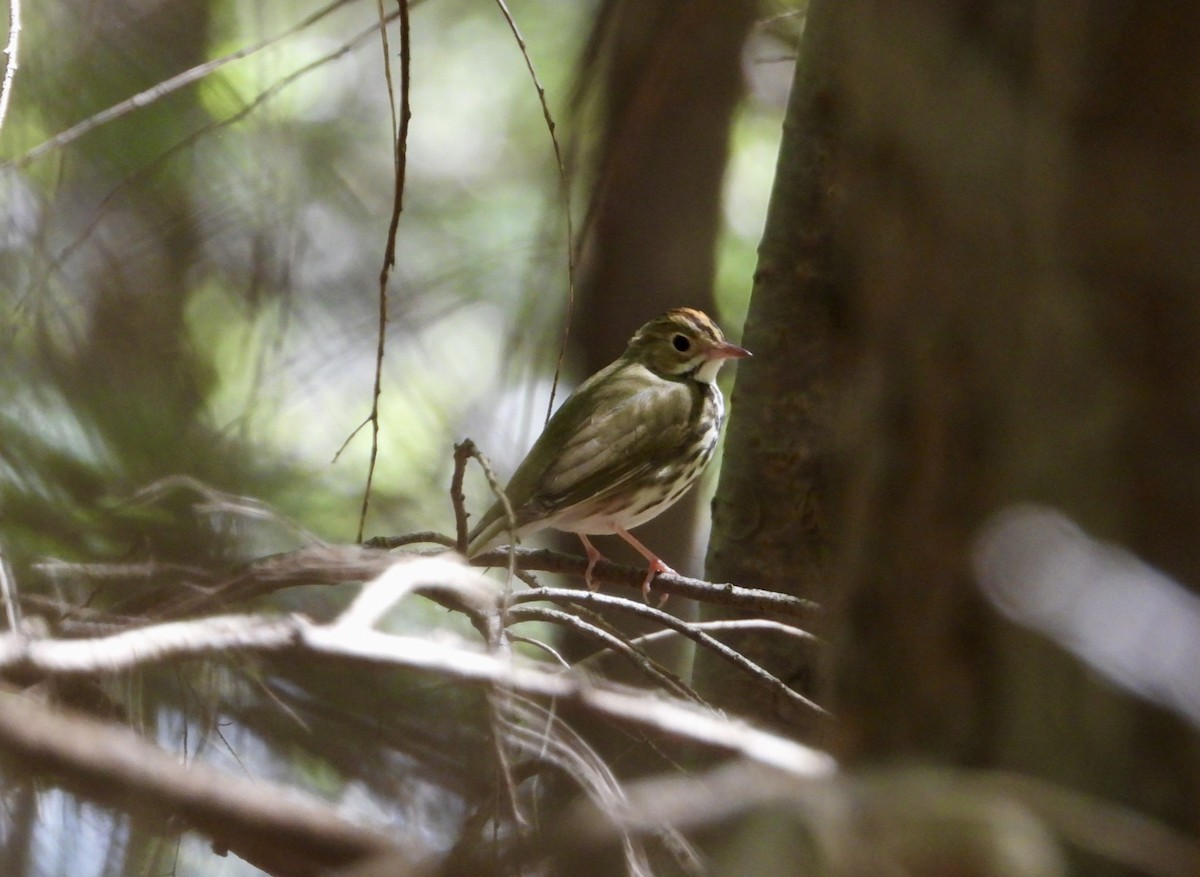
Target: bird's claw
x=656, y=566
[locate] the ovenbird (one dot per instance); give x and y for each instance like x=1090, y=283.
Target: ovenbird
x=625, y=446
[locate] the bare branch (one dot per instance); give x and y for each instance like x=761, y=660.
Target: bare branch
x=10, y=51
x=341, y=564
x=463, y=451
x=400, y=156
x=730, y=625
x=148, y=645
x=751, y=600
x=276, y=829
x=8, y=592
x=608, y=640
x=315, y=565
x=466, y=662
x=681, y=627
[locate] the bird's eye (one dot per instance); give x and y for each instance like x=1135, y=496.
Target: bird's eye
x=681, y=343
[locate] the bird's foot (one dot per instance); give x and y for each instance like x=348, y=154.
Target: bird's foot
x=593, y=555
x=656, y=566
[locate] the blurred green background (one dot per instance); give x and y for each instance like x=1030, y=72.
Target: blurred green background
x=188, y=290
x=188, y=318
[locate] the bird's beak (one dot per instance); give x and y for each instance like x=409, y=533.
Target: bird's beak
x=725, y=350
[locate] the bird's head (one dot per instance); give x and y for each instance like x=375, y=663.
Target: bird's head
x=683, y=341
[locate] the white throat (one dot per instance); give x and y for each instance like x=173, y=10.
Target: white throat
x=707, y=373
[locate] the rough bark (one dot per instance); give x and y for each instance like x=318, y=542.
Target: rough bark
x=1018, y=196
x=770, y=516
x=979, y=239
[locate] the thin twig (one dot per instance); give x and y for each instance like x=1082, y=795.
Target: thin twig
x=497, y=701
x=389, y=250
x=146, y=169
x=552, y=741
x=542, y=646
x=565, y=184
x=280, y=830
x=8, y=589
x=653, y=670
x=463, y=451
x=728, y=625
x=214, y=636
x=510, y=517
x=752, y=600
x=702, y=639
x=10, y=51
x=164, y=88
x=422, y=537
x=340, y=564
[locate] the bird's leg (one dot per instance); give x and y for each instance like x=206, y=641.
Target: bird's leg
x=593, y=554
x=656, y=564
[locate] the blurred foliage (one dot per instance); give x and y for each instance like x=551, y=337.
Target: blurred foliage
x=190, y=291
x=232, y=267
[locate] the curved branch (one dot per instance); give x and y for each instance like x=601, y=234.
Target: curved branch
x=357, y=646
x=342, y=564
x=702, y=639
x=655, y=671
x=276, y=829
x=752, y=600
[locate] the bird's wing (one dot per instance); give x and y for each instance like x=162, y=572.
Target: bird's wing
x=620, y=425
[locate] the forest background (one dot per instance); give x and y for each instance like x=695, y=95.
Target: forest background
x=957, y=507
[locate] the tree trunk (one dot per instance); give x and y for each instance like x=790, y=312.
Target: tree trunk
x=1020, y=194
x=983, y=226
x=770, y=514
x=671, y=74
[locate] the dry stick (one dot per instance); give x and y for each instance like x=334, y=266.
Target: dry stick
x=510, y=518
x=728, y=625
x=752, y=600
x=421, y=537
x=463, y=451
x=314, y=565
x=389, y=258
x=8, y=590
x=702, y=639
x=565, y=184
x=651, y=668
x=345, y=564
x=543, y=646
x=496, y=701
x=10, y=66
x=206, y=637
x=563, y=747
x=499, y=695
x=276, y=829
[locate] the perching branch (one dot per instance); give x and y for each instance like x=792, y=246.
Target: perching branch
x=342, y=564
x=752, y=600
